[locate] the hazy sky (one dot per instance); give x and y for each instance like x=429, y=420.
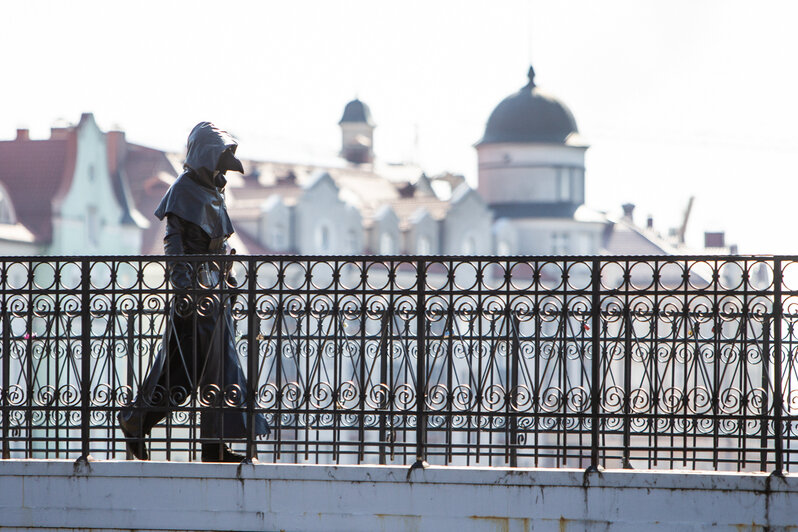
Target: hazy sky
x=676, y=98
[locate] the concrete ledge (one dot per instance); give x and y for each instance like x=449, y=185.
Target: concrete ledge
x=57, y=495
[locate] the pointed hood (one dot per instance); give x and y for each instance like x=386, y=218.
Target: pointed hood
x=210, y=149
x=196, y=196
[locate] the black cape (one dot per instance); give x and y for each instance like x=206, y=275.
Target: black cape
x=198, y=350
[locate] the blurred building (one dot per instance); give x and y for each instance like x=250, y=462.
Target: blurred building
x=83, y=191
x=356, y=203
x=66, y=195
x=530, y=199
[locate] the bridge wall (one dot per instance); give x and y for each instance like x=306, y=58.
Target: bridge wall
x=58, y=495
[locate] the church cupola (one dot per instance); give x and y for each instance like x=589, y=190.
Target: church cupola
x=531, y=157
x=357, y=133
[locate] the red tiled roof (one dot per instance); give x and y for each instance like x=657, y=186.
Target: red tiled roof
x=36, y=172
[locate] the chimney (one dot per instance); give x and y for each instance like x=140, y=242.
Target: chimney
x=714, y=240
x=23, y=134
x=628, y=210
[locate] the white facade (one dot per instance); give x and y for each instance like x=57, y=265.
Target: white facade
x=88, y=218
x=322, y=222
x=466, y=230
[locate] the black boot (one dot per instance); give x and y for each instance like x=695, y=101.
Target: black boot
x=134, y=440
x=219, y=452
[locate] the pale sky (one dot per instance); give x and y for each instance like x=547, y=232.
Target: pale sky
x=676, y=98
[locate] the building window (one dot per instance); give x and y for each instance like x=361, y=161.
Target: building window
x=564, y=184
x=469, y=244
x=387, y=244
x=352, y=241
x=424, y=245
x=579, y=185
x=323, y=238
x=93, y=225
x=278, y=239
x=560, y=243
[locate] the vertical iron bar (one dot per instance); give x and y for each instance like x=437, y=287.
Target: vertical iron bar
x=595, y=363
x=384, y=404
x=764, y=417
x=252, y=358
x=278, y=362
x=513, y=410
x=421, y=371
x=6, y=377
x=131, y=324
x=716, y=371
x=365, y=377
x=85, y=359
x=778, y=399
x=627, y=386
x=449, y=326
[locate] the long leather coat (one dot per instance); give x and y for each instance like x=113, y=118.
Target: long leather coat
x=199, y=351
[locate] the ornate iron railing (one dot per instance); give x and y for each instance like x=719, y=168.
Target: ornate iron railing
x=645, y=362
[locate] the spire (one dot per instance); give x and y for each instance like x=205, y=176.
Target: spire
x=531, y=75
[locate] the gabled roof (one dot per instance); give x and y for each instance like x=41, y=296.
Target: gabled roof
x=36, y=172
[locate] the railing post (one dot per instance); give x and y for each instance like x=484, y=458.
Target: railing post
x=765, y=417
x=627, y=386
x=514, y=327
x=421, y=368
x=252, y=359
x=85, y=359
x=6, y=381
x=595, y=386
x=778, y=399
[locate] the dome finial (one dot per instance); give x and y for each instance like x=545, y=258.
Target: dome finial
x=531, y=76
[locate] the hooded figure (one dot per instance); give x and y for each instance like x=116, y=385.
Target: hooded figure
x=198, y=350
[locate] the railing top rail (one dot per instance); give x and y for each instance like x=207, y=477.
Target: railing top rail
x=403, y=258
